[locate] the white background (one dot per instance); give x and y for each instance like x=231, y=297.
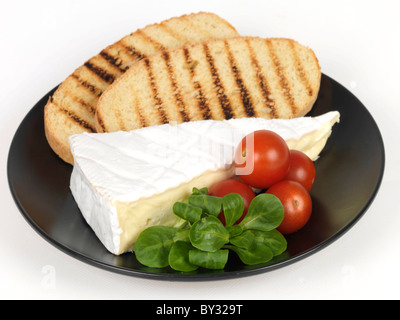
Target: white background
x=357, y=43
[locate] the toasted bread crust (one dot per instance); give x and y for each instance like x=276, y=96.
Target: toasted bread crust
x=59, y=147
x=71, y=110
x=215, y=79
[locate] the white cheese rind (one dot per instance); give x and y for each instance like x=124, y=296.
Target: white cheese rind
x=98, y=212
x=113, y=171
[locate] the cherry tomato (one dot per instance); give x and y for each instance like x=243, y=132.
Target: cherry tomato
x=301, y=169
x=225, y=187
x=264, y=162
x=297, y=204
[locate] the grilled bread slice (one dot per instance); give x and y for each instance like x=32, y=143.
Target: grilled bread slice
x=71, y=110
x=216, y=79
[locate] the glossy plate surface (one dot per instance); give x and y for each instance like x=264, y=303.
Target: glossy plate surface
x=349, y=174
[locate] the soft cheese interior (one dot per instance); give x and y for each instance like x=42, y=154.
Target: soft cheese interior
x=124, y=182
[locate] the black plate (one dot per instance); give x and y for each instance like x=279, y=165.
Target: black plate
x=349, y=174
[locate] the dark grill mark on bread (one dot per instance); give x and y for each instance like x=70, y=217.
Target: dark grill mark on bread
x=77, y=119
x=162, y=116
x=103, y=74
x=175, y=89
x=120, y=120
x=300, y=69
x=90, y=87
x=157, y=45
x=101, y=123
x=244, y=93
x=262, y=82
x=133, y=51
x=223, y=99
x=282, y=79
x=142, y=119
x=201, y=99
x=173, y=33
x=85, y=105
x=136, y=106
x=116, y=62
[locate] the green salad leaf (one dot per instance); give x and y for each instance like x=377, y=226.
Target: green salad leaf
x=153, y=246
x=209, y=234
x=205, y=242
x=254, y=246
x=233, y=205
x=250, y=248
x=234, y=230
x=179, y=257
x=187, y=211
x=209, y=260
x=209, y=204
x=265, y=213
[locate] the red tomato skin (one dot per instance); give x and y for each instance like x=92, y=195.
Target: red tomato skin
x=297, y=203
x=301, y=169
x=222, y=188
x=270, y=156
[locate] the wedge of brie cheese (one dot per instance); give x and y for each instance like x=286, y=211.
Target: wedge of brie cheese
x=125, y=182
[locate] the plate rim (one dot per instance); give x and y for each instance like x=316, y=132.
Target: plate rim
x=188, y=277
